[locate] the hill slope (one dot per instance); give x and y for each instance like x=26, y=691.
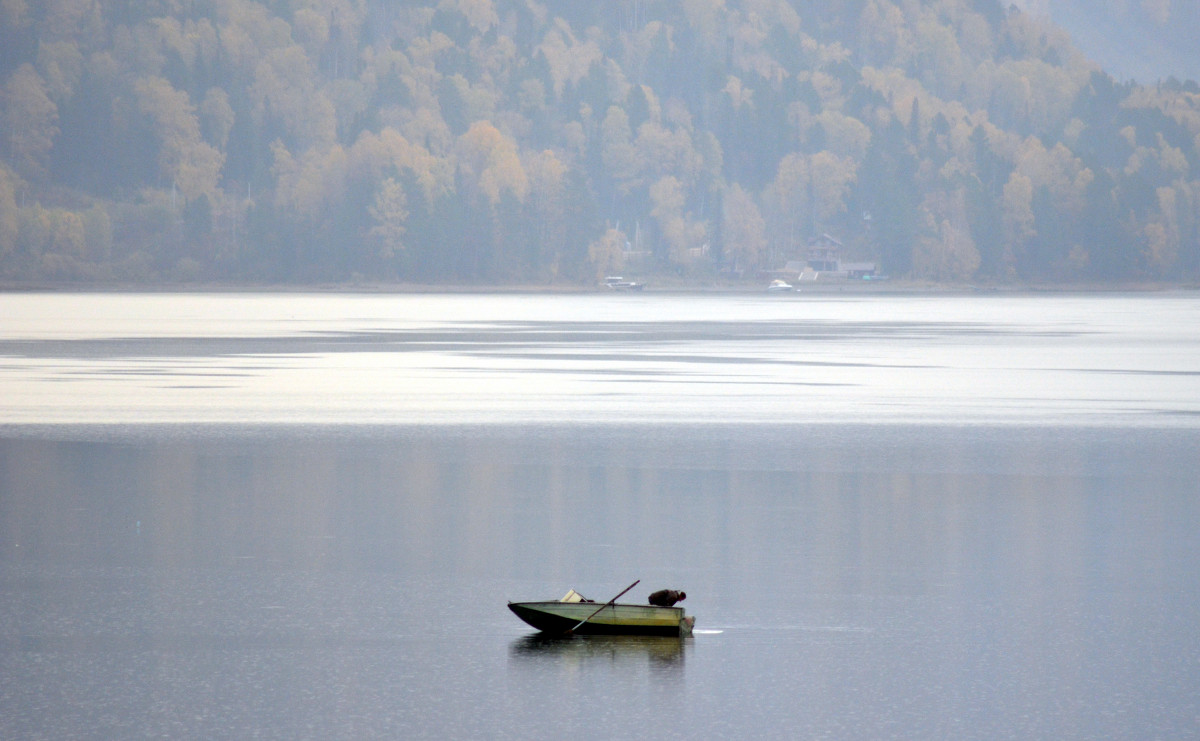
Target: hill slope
x=510, y=141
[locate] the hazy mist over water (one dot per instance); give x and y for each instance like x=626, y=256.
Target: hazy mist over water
x=300, y=516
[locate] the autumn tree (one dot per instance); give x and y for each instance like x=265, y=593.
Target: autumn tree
x=60, y=63
x=285, y=90
x=53, y=238
x=618, y=152
x=309, y=185
x=9, y=216
x=570, y=58
x=742, y=228
x=606, y=254
x=216, y=117
x=390, y=212
x=832, y=177
x=883, y=35
x=810, y=190
x=30, y=121
x=185, y=159
x=547, y=186
x=1018, y=218
x=680, y=231
x=490, y=162
x=789, y=195
x=945, y=251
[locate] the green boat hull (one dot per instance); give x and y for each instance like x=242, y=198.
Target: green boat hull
x=615, y=619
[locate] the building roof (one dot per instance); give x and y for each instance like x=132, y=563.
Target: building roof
x=825, y=238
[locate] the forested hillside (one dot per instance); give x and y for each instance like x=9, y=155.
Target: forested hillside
x=511, y=141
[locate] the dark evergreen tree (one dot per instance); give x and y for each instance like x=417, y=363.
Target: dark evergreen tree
x=992, y=10
x=886, y=191
x=1104, y=234
x=636, y=107
x=987, y=229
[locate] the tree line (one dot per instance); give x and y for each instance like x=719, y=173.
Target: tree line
x=510, y=141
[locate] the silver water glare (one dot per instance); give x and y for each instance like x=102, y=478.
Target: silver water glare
x=469, y=359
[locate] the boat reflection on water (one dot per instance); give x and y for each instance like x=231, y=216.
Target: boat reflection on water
x=660, y=651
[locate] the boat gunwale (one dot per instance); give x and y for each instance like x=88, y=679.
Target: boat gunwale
x=547, y=618
x=599, y=605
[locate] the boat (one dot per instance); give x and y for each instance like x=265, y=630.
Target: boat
x=778, y=286
x=617, y=283
x=573, y=614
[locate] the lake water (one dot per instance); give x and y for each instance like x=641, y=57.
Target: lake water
x=301, y=516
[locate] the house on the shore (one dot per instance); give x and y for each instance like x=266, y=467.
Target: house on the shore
x=825, y=260
x=824, y=254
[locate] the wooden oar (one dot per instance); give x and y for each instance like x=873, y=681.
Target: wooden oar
x=606, y=604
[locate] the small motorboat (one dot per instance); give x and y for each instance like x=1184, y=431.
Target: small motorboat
x=574, y=614
x=617, y=283
x=779, y=286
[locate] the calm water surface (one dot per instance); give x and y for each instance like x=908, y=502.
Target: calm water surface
x=300, y=516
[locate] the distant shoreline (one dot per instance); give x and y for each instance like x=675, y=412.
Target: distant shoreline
x=669, y=286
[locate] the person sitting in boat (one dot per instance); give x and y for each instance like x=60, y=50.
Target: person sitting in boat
x=667, y=597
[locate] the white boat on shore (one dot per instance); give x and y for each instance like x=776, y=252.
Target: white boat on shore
x=617, y=283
